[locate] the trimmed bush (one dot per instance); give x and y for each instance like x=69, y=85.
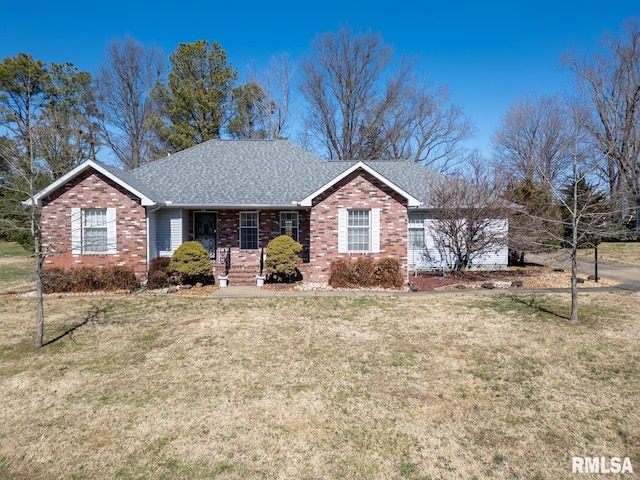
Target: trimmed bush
x=158, y=276
x=117, y=278
x=191, y=263
x=283, y=258
x=364, y=272
x=88, y=279
x=159, y=264
x=388, y=273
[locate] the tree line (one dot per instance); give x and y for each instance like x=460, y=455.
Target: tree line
x=567, y=165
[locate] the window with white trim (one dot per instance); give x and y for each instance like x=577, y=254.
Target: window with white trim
x=249, y=230
x=417, y=230
x=289, y=224
x=93, y=230
x=358, y=231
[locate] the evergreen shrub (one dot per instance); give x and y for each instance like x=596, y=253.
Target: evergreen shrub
x=191, y=263
x=283, y=258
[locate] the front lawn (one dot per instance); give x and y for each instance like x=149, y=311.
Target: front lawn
x=423, y=387
x=621, y=252
x=16, y=267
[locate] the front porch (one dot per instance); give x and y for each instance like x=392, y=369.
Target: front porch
x=243, y=234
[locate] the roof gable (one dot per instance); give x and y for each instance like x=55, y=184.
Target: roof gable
x=411, y=200
x=117, y=176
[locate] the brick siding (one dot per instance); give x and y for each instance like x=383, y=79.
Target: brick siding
x=245, y=264
x=318, y=228
x=358, y=190
x=93, y=190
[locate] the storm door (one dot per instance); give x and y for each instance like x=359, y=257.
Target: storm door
x=205, y=226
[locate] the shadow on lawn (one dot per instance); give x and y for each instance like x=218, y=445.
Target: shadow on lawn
x=94, y=315
x=540, y=308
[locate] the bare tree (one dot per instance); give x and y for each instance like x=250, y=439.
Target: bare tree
x=21, y=85
x=250, y=112
x=434, y=130
x=275, y=82
x=569, y=210
x=584, y=214
x=469, y=219
x=609, y=85
x=360, y=106
x=46, y=116
x=125, y=83
x=529, y=143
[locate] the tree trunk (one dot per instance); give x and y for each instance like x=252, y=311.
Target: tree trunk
x=574, y=284
x=39, y=293
x=574, y=252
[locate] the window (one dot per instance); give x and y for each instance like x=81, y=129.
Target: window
x=93, y=230
x=417, y=250
x=289, y=224
x=248, y=230
x=417, y=230
x=358, y=231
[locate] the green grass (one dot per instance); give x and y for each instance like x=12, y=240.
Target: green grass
x=620, y=252
x=16, y=266
x=13, y=249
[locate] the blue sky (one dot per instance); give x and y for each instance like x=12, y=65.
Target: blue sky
x=489, y=54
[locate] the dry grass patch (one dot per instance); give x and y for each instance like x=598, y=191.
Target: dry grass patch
x=393, y=387
x=620, y=252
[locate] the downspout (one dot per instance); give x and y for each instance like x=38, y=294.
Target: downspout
x=146, y=219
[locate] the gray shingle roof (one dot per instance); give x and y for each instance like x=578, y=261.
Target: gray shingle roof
x=257, y=172
x=132, y=181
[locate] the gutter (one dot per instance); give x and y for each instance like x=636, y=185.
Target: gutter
x=234, y=206
x=148, y=211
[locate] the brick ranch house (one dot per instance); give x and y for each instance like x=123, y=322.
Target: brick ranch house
x=237, y=195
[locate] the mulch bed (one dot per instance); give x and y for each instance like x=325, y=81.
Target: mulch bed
x=425, y=281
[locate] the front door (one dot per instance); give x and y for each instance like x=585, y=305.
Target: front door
x=205, y=231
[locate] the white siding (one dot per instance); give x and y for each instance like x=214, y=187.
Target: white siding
x=152, y=233
x=498, y=257
x=168, y=231
x=430, y=257
x=434, y=254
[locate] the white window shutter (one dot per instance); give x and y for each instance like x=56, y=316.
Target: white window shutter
x=112, y=246
x=375, y=230
x=76, y=231
x=342, y=231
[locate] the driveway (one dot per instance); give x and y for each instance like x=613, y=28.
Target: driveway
x=627, y=275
